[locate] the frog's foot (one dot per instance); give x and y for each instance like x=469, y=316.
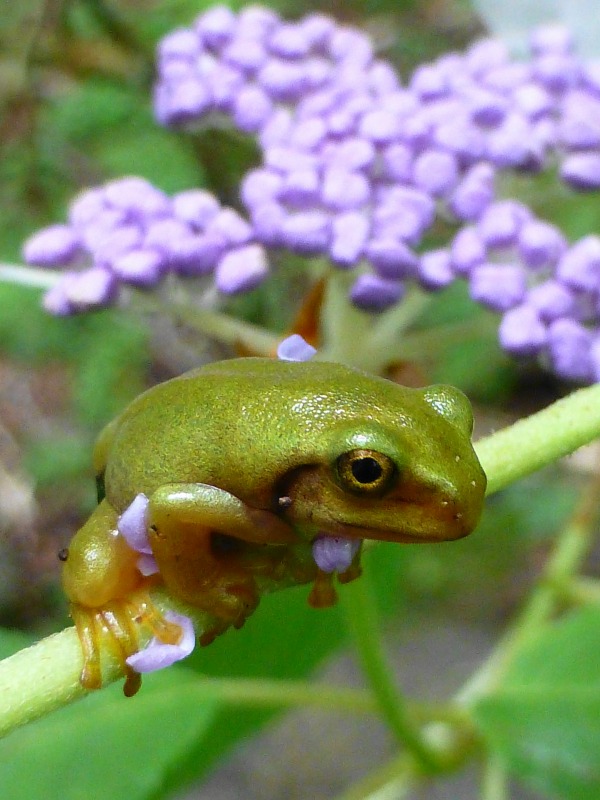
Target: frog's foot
x=353, y=572
x=323, y=594
x=116, y=626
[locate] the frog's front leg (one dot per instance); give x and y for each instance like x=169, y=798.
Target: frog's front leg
x=209, y=546
x=109, y=597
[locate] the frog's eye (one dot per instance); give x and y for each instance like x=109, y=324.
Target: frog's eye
x=365, y=471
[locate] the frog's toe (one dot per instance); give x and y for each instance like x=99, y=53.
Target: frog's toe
x=116, y=626
x=323, y=594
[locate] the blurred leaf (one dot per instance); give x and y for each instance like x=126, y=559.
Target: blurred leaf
x=544, y=720
x=106, y=746
x=94, y=105
x=63, y=459
x=160, y=156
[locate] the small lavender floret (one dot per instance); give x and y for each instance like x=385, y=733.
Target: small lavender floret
x=500, y=223
x=295, y=348
x=498, y=286
x=53, y=246
x=521, y=331
x=157, y=655
x=81, y=291
x=334, y=553
x=251, y=109
x=551, y=38
x=372, y=293
x=581, y=171
x=436, y=172
x=468, y=250
x=579, y=125
x=196, y=207
x=133, y=525
x=343, y=190
x=569, y=348
x=241, y=270
x=306, y=232
x=391, y=258
x=474, y=193
x=216, y=26
x=552, y=299
x=299, y=189
x=579, y=268
x=435, y=269
x=143, y=267
x=540, y=244
x=349, y=235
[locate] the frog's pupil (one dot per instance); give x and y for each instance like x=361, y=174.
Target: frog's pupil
x=366, y=470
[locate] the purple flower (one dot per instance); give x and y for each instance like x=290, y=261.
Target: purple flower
x=579, y=267
x=241, y=270
x=569, y=349
x=498, y=286
x=349, y=235
x=334, y=554
x=129, y=232
x=133, y=525
x=372, y=293
x=81, y=291
x=294, y=348
x=158, y=655
x=435, y=269
x=521, y=332
x=540, y=244
x=500, y=223
x=53, y=246
x=581, y=171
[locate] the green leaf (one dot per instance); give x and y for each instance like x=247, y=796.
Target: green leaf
x=107, y=746
x=544, y=720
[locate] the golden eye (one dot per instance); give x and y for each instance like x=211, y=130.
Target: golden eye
x=365, y=471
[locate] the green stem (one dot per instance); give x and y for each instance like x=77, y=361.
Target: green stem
x=538, y=440
x=394, y=781
x=343, y=325
x=565, y=561
x=283, y=693
x=226, y=329
x=494, y=785
x=29, y=276
x=362, y=620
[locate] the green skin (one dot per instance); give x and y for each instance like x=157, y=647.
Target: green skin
x=243, y=463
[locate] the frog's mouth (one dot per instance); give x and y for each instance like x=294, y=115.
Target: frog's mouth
x=411, y=523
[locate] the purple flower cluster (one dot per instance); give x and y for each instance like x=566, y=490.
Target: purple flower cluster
x=547, y=291
x=357, y=168
x=128, y=232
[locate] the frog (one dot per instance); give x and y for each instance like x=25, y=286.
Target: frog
x=245, y=463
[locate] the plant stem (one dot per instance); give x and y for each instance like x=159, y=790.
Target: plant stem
x=494, y=784
x=393, y=781
x=564, y=562
x=226, y=329
x=362, y=620
x=538, y=440
x=29, y=276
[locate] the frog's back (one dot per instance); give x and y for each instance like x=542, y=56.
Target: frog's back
x=241, y=424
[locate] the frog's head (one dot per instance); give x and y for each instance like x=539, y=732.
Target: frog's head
x=412, y=478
